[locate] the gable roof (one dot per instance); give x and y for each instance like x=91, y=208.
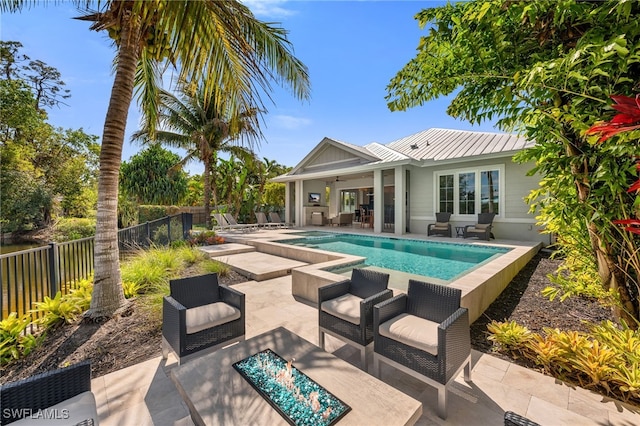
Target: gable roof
x=351, y=153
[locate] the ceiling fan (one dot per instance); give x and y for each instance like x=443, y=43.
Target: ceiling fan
x=338, y=179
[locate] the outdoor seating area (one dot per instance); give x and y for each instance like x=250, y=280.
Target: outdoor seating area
x=147, y=394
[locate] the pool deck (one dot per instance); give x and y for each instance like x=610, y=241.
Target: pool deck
x=312, y=268
x=144, y=394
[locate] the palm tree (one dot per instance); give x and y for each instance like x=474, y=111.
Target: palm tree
x=216, y=43
x=203, y=127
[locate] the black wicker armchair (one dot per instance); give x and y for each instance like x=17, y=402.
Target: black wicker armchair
x=482, y=229
x=513, y=419
x=441, y=227
x=424, y=333
x=201, y=314
x=60, y=396
x=345, y=309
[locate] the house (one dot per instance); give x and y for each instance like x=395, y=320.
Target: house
x=399, y=187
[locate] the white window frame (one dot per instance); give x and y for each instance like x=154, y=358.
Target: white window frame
x=456, y=189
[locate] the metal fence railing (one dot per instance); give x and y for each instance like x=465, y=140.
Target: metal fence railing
x=30, y=275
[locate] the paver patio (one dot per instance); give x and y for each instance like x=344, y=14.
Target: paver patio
x=145, y=395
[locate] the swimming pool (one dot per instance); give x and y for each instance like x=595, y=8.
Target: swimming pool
x=444, y=261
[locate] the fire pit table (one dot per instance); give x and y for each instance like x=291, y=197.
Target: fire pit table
x=218, y=394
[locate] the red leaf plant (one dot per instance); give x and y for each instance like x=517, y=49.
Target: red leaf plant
x=628, y=119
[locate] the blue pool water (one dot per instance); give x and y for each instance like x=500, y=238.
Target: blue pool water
x=445, y=261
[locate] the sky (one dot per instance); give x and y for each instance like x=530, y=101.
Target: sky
x=351, y=48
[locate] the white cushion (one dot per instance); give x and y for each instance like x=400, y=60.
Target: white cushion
x=69, y=412
x=442, y=225
x=481, y=226
x=412, y=331
x=346, y=307
x=211, y=315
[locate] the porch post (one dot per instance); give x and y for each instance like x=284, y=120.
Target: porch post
x=378, y=201
x=298, y=204
x=400, y=196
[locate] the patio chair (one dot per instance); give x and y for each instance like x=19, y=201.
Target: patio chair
x=261, y=218
x=424, y=333
x=442, y=226
x=201, y=314
x=341, y=219
x=275, y=218
x=235, y=225
x=513, y=419
x=482, y=229
x=221, y=223
x=345, y=309
x=66, y=392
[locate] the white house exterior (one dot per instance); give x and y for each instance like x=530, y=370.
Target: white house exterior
x=415, y=177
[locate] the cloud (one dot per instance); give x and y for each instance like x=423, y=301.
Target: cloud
x=290, y=122
x=268, y=8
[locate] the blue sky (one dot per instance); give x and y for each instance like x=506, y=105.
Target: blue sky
x=352, y=50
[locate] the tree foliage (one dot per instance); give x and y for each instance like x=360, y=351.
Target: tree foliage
x=151, y=177
x=546, y=69
x=204, y=127
x=44, y=80
x=45, y=171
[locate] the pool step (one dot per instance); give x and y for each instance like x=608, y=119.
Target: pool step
x=256, y=265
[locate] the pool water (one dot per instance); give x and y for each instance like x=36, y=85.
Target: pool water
x=444, y=261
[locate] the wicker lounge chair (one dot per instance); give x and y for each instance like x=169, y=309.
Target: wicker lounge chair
x=345, y=309
x=63, y=392
x=442, y=226
x=201, y=314
x=482, y=229
x=424, y=333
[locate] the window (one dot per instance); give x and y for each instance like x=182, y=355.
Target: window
x=446, y=193
x=468, y=192
x=489, y=192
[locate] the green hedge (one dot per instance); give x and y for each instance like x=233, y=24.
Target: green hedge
x=149, y=213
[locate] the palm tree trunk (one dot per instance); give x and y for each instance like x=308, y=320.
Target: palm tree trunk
x=207, y=192
x=107, y=294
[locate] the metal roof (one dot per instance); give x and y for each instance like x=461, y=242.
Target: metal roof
x=445, y=144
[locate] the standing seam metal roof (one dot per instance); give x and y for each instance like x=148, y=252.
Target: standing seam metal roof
x=444, y=144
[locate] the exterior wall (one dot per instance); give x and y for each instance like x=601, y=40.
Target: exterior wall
x=514, y=221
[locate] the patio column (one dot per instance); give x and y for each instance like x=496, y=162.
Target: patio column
x=298, y=204
x=378, y=201
x=400, y=197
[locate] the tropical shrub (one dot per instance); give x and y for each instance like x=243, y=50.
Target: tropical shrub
x=606, y=359
x=14, y=341
x=205, y=238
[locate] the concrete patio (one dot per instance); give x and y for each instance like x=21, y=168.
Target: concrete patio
x=144, y=394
